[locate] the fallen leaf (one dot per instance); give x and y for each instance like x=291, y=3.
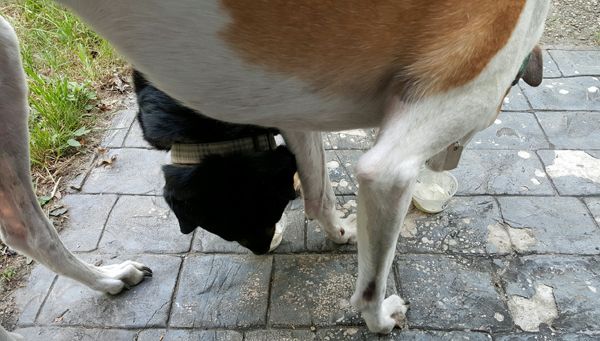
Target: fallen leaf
x=106, y=161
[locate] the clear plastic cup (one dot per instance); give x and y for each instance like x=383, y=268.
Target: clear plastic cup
x=433, y=190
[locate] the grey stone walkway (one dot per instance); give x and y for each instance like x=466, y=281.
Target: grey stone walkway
x=516, y=256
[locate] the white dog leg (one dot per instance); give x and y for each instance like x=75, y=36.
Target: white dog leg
x=23, y=225
x=319, y=199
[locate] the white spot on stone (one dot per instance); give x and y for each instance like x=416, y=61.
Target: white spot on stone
x=592, y=289
x=575, y=163
x=497, y=121
x=506, y=100
x=498, y=237
x=593, y=89
x=521, y=239
x=530, y=313
x=550, y=86
x=499, y=317
x=535, y=181
x=563, y=92
x=333, y=164
x=540, y=173
x=344, y=183
x=524, y=155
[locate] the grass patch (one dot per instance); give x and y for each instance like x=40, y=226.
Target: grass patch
x=66, y=64
x=8, y=274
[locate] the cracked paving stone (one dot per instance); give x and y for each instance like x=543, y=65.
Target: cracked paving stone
x=341, y=179
x=315, y=290
x=550, y=336
x=451, y=292
x=218, y=291
x=29, y=299
x=279, y=335
x=293, y=237
x=316, y=238
x=518, y=131
x=135, y=223
x=461, y=228
x=573, y=172
x=581, y=93
x=189, y=335
x=70, y=334
x=135, y=138
x=550, y=68
x=134, y=171
x=145, y=305
x=574, y=280
x=515, y=100
x=499, y=172
x=578, y=63
x=118, y=129
x=550, y=225
x=363, y=334
x=594, y=206
x=87, y=215
x=362, y=139
x=571, y=130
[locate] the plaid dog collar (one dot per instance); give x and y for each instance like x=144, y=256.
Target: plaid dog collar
x=193, y=154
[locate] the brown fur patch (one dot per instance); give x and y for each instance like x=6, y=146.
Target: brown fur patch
x=359, y=47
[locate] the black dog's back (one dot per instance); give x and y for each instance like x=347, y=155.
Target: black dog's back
x=238, y=196
x=165, y=121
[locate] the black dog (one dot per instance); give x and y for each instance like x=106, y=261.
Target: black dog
x=239, y=196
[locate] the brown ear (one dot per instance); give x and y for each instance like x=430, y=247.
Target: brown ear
x=534, y=71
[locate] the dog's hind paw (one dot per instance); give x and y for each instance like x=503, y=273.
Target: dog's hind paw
x=390, y=314
x=121, y=276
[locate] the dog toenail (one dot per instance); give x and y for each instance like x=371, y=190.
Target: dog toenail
x=342, y=232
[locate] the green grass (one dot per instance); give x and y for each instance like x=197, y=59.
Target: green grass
x=65, y=63
x=8, y=274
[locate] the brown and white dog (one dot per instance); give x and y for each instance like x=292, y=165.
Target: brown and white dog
x=427, y=73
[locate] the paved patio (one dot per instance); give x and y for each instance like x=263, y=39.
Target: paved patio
x=516, y=256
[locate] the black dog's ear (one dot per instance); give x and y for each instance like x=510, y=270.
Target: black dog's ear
x=177, y=192
x=533, y=72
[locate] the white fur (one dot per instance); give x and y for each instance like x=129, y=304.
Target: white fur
x=174, y=43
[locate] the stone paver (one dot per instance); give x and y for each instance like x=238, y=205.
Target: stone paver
x=146, y=305
x=578, y=63
x=515, y=100
x=518, y=131
x=135, y=223
x=79, y=334
x=451, y=292
x=189, y=335
x=550, y=225
x=134, y=171
x=580, y=93
x=515, y=255
x=573, y=172
x=222, y=292
x=464, y=227
x=571, y=130
x=513, y=172
x=87, y=216
x=573, y=279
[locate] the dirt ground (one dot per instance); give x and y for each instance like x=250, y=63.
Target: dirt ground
x=571, y=23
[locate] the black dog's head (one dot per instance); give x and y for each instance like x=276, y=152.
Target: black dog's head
x=238, y=197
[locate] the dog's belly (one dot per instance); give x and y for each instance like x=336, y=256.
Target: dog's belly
x=187, y=57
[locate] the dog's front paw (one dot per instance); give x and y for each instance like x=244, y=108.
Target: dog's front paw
x=343, y=230
x=122, y=276
x=384, y=318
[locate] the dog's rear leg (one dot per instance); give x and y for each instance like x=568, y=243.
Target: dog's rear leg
x=23, y=225
x=319, y=199
x=410, y=134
